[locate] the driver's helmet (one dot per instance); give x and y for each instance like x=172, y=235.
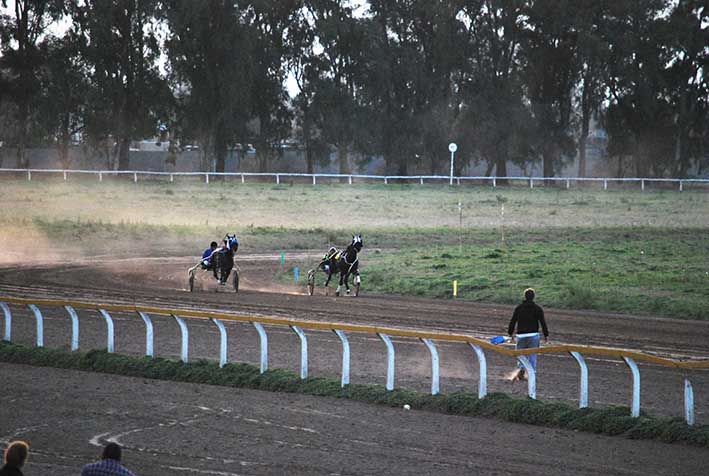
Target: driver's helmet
x=232, y=242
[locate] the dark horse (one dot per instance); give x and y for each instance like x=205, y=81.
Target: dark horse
x=346, y=263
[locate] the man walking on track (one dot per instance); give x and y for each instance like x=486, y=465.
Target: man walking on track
x=526, y=319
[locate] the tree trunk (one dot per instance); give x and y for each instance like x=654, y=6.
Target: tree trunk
x=585, y=120
x=343, y=159
x=23, y=161
x=308, y=147
x=124, y=153
x=220, y=150
x=548, y=166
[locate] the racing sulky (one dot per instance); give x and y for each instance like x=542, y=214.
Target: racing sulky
x=223, y=258
x=220, y=261
x=345, y=263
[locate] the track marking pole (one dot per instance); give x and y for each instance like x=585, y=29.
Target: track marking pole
x=264, y=345
x=390, y=360
x=435, y=374
x=148, y=333
x=635, y=405
x=222, y=342
x=531, y=376
x=345, y=357
x=303, y=351
x=8, y=321
x=74, y=327
x=40, y=324
x=583, y=383
x=688, y=402
x=185, y=338
x=482, y=362
x=109, y=330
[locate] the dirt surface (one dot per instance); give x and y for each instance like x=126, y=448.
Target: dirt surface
x=168, y=428
x=349, y=438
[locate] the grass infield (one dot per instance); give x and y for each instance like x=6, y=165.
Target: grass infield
x=608, y=421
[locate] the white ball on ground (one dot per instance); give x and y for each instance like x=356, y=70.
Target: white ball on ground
x=407, y=407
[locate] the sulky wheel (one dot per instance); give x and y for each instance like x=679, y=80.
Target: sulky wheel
x=236, y=281
x=311, y=282
x=191, y=281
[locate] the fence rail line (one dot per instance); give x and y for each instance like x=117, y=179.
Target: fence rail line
x=277, y=176
x=181, y=316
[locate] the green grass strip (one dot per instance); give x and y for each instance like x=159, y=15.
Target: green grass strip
x=608, y=421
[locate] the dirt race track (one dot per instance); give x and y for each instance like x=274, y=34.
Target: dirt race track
x=170, y=428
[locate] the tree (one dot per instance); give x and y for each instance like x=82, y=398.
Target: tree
x=127, y=96
x=412, y=57
x=687, y=84
x=21, y=61
x=62, y=101
x=227, y=73
x=494, y=120
x=639, y=116
x=549, y=50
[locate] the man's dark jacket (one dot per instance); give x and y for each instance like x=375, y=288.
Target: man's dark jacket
x=9, y=470
x=527, y=317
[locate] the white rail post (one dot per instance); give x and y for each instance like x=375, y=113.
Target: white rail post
x=605, y=185
x=206, y=178
x=135, y=177
x=688, y=402
x=531, y=182
x=74, y=327
x=345, y=357
x=314, y=183
x=583, y=384
x=100, y=177
x=482, y=361
x=8, y=321
x=222, y=342
x=457, y=180
x=531, y=376
x=109, y=330
x=264, y=346
x=680, y=185
x=40, y=324
x=65, y=175
x=148, y=333
x=185, y=338
x=349, y=180
x=642, y=184
x=172, y=178
x=435, y=376
x=278, y=179
x=635, y=406
x=29, y=176
x=390, y=360
x=242, y=178
x=567, y=184
x=386, y=181
x=421, y=179
x=303, y=350
x=494, y=182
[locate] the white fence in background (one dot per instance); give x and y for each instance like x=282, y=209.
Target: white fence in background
x=278, y=177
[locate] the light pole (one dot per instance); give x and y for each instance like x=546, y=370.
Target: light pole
x=452, y=147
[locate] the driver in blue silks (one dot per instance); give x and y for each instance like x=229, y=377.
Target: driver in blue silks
x=207, y=258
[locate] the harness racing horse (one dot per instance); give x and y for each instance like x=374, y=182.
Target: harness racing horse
x=348, y=264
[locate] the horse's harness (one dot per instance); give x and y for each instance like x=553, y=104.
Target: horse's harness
x=344, y=258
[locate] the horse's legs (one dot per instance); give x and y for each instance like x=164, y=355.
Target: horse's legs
x=339, y=287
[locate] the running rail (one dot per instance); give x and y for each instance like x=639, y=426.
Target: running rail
x=384, y=333
x=278, y=176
